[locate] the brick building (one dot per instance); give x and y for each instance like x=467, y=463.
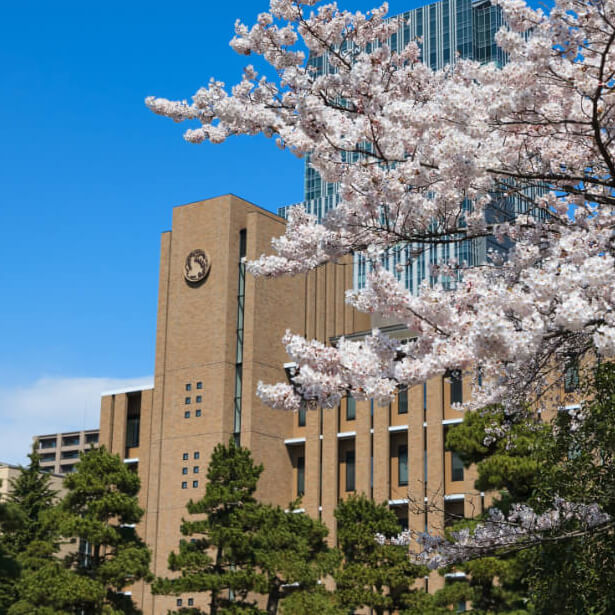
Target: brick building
x=219, y=332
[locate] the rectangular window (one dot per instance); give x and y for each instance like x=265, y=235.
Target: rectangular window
x=350, y=467
x=70, y=441
x=179, y=602
x=91, y=438
x=351, y=408
x=302, y=417
x=199, y=399
x=48, y=443
x=402, y=457
x=195, y=483
x=190, y=601
x=198, y=413
x=197, y=455
x=184, y=485
x=195, y=469
x=133, y=420
x=571, y=377
x=185, y=456
x=456, y=467
x=184, y=470
x=456, y=387
x=300, y=476
x=187, y=414
x=402, y=401
x=187, y=401
x=188, y=387
x=199, y=385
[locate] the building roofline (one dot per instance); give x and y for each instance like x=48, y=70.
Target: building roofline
x=134, y=389
x=218, y=196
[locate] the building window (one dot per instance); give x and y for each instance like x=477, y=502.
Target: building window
x=199, y=385
x=351, y=408
x=195, y=484
x=187, y=401
x=188, y=387
x=70, y=441
x=198, y=412
x=185, y=456
x=402, y=458
x=197, y=454
x=199, y=399
x=190, y=601
x=179, y=602
x=456, y=467
x=571, y=377
x=48, y=443
x=350, y=470
x=456, y=387
x=91, y=438
x=300, y=476
x=402, y=401
x=195, y=469
x=184, y=470
x=133, y=420
x=187, y=414
x=302, y=415
x=184, y=485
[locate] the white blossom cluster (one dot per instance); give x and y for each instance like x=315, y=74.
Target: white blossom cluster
x=522, y=528
x=428, y=142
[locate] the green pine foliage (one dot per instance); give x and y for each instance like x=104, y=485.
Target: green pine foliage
x=30, y=498
x=373, y=575
x=240, y=548
x=97, y=514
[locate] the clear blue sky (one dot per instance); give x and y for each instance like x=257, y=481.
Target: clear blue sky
x=88, y=177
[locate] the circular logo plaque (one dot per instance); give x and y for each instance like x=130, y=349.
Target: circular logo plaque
x=196, y=267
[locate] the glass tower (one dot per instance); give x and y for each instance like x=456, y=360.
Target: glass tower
x=448, y=30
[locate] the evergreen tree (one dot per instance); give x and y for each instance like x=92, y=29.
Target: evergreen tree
x=31, y=492
x=11, y=519
x=99, y=511
x=373, y=575
x=208, y=561
x=247, y=548
x=30, y=496
x=291, y=554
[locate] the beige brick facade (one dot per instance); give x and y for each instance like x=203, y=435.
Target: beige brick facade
x=59, y=452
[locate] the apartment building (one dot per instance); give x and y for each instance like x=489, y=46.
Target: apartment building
x=59, y=452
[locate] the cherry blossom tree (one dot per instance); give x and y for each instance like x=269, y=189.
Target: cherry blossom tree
x=422, y=157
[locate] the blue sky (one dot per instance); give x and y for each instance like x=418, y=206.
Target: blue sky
x=88, y=177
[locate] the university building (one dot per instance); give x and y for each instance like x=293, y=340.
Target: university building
x=218, y=334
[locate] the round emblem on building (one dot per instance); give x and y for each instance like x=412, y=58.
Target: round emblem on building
x=196, y=267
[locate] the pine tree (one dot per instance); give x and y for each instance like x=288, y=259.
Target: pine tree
x=208, y=561
x=11, y=519
x=247, y=547
x=98, y=511
x=31, y=492
x=30, y=497
x=373, y=575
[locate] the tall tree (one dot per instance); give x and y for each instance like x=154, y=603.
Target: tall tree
x=524, y=153
x=31, y=492
x=375, y=575
x=11, y=520
x=99, y=512
x=30, y=497
x=247, y=548
x=210, y=560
